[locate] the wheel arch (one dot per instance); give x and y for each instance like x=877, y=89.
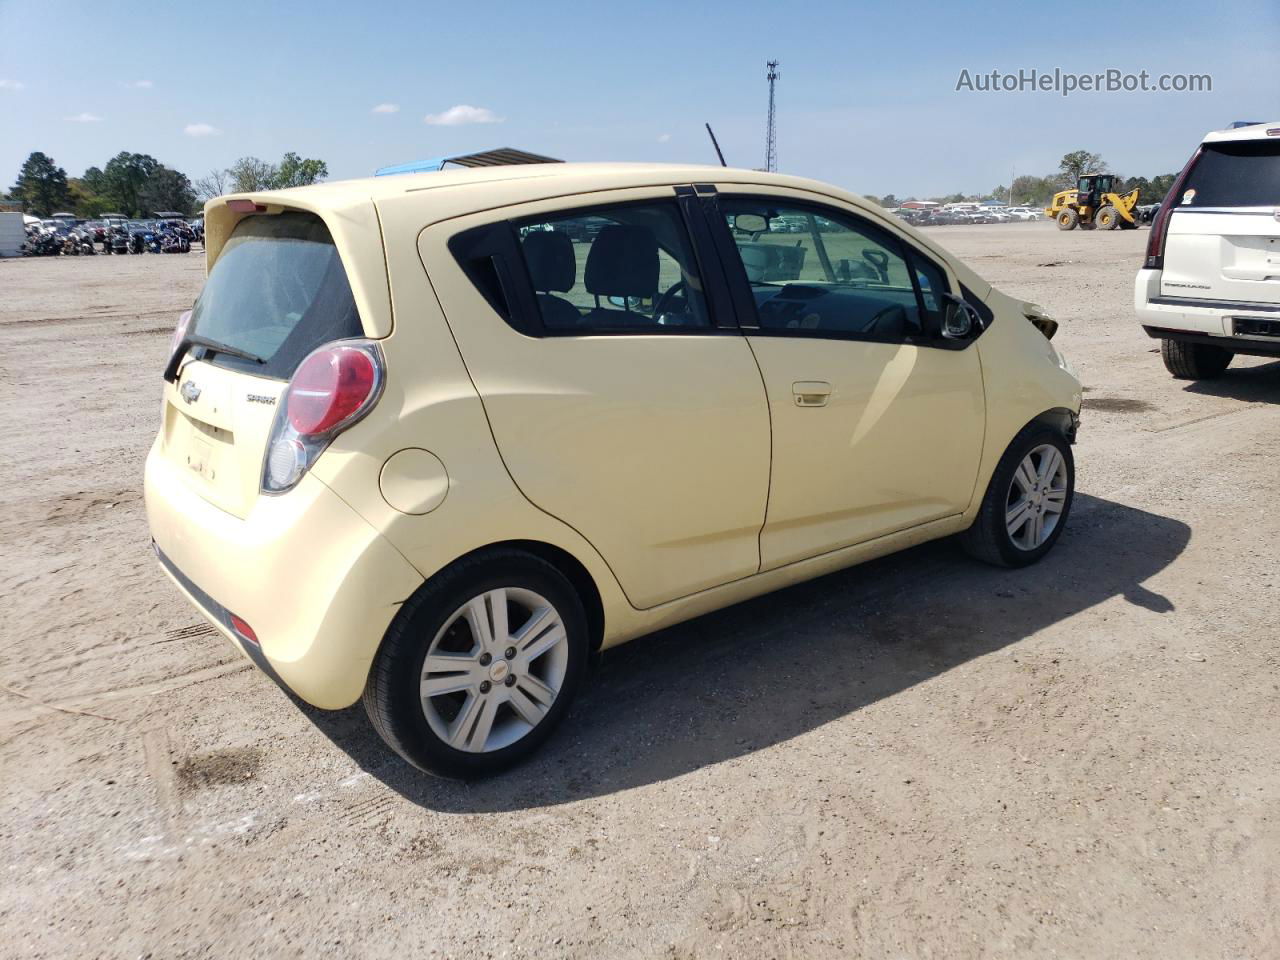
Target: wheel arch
x=565, y=562
x=1061, y=419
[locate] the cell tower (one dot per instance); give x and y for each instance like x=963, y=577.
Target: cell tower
x=771, y=134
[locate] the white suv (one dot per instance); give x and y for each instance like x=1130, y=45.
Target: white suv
x=1210, y=286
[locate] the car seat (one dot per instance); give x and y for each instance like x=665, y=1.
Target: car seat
x=552, y=266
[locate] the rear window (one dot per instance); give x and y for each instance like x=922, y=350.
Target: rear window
x=278, y=291
x=1244, y=173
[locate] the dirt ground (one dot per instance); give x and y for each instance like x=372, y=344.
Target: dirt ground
x=920, y=757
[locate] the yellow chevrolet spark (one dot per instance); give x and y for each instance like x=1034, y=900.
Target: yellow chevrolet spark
x=432, y=440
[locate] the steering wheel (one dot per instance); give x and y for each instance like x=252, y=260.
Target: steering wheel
x=664, y=299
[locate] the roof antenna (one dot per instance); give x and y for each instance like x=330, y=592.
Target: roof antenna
x=716, y=145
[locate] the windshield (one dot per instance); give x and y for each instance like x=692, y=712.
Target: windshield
x=1243, y=173
x=278, y=291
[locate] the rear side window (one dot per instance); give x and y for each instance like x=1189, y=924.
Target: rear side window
x=628, y=268
x=1244, y=173
x=278, y=291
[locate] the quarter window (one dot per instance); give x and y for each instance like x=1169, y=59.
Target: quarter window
x=624, y=268
x=821, y=273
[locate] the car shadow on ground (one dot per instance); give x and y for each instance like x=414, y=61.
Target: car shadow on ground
x=1258, y=384
x=770, y=669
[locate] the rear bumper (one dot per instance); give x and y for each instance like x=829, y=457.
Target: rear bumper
x=1248, y=346
x=318, y=585
x=1196, y=320
x=219, y=615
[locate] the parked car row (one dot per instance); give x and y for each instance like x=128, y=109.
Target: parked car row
x=937, y=216
x=66, y=236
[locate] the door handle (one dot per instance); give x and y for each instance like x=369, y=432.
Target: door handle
x=811, y=393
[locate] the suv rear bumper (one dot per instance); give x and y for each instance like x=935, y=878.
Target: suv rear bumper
x=1246, y=346
x=317, y=584
x=1199, y=320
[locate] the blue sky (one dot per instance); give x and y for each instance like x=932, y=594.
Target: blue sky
x=866, y=99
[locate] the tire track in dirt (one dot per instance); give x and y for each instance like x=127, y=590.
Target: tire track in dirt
x=89, y=701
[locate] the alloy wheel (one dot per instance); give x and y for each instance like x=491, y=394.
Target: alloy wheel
x=1037, y=496
x=494, y=669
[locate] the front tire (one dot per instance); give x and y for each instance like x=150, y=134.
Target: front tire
x=480, y=665
x=1027, y=502
x=1107, y=218
x=1068, y=219
x=1194, y=361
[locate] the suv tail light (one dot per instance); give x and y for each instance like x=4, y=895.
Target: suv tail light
x=332, y=389
x=1160, y=223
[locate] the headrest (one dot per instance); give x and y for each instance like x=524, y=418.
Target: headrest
x=552, y=264
x=623, y=262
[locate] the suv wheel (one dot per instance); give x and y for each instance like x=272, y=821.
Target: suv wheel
x=1194, y=361
x=480, y=665
x=1027, y=502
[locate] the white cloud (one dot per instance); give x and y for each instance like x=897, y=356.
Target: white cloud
x=141, y=84
x=664, y=137
x=387, y=108
x=200, y=130
x=461, y=114
x=11, y=84
x=85, y=118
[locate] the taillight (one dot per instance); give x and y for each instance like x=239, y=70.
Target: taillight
x=180, y=331
x=328, y=387
x=332, y=389
x=1160, y=223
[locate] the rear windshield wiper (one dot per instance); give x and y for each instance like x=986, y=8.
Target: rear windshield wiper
x=210, y=346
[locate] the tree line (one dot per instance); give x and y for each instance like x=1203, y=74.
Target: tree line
x=1036, y=191
x=138, y=185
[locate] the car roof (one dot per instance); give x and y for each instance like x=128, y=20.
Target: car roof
x=359, y=211
x=533, y=181
x=1255, y=131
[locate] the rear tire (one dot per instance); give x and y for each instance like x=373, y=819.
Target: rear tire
x=497, y=708
x=1027, y=501
x=1068, y=219
x=1107, y=218
x=1194, y=361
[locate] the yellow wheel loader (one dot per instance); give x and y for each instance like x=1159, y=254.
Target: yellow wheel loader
x=1093, y=203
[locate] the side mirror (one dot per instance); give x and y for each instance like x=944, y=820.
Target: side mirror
x=750, y=223
x=959, y=320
